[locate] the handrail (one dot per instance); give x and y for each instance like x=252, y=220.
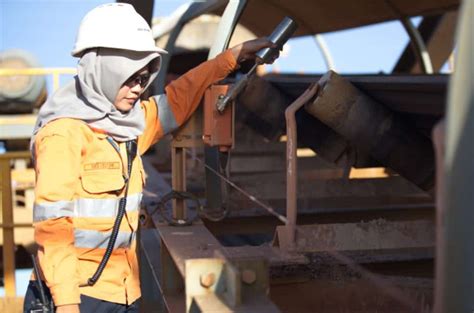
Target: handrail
x=32, y=71
x=7, y=223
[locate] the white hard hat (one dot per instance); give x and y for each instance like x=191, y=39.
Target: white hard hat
x=114, y=25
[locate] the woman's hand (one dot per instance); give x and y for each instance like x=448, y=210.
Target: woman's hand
x=246, y=50
x=69, y=308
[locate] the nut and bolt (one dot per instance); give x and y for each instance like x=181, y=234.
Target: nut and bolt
x=207, y=280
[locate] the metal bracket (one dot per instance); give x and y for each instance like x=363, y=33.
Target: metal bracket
x=220, y=285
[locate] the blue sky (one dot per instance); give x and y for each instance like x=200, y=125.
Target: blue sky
x=47, y=28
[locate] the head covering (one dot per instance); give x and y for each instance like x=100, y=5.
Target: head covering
x=90, y=96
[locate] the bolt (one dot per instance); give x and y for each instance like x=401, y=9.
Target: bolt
x=249, y=277
x=207, y=280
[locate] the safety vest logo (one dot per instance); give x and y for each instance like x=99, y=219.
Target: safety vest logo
x=102, y=166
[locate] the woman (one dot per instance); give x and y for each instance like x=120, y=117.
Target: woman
x=83, y=146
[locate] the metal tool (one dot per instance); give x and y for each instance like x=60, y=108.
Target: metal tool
x=279, y=37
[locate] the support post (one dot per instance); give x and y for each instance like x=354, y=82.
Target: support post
x=455, y=269
x=178, y=181
x=292, y=162
x=8, y=230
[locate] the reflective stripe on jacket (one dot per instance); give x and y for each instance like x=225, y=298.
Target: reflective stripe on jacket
x=79, y=183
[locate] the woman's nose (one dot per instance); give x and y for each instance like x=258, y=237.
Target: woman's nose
x=137, y=88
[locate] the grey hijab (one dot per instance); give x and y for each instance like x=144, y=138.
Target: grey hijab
x=90, y=96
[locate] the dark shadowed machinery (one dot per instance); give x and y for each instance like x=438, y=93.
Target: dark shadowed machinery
x=306, y=193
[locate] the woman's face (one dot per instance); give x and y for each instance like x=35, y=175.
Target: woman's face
x=131, y=90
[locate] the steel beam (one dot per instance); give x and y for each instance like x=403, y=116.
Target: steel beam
x=228, y=285
x=412, y=94
x=366, y=241
x=8, y=221
x=327, y=188
x=354, y=294
x=212, y=277
x=457, y=256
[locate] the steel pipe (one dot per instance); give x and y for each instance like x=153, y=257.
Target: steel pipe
x=418, y=45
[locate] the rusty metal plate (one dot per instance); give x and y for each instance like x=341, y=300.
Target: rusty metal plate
x=377, y=235
x=218, y=127
x=212, y=303
x=190, y=242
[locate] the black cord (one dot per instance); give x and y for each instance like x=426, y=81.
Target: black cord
x=214, y=216
x=174, y=194
x=43, y=304
x=131, y=153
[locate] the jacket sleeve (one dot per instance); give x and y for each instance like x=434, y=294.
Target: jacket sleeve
x=58, y=156
x=165, y=113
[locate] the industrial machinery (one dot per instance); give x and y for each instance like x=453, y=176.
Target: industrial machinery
x=314, y=192
x=344, y=222
x=20, y=93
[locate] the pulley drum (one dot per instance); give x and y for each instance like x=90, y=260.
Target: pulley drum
x=20, y=93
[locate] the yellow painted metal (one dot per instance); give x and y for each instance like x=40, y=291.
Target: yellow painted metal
x=11, y=304
x=17, y=119
x=55, y=81
x=6, y=209
x=37, y=71
x=17, y=225
x=369, y=172
x=15, y=155
x=8, y=238
x=55, y=71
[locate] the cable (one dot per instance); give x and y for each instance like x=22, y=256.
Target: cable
x=131, y=147
x=248, y=195
x=174, y=194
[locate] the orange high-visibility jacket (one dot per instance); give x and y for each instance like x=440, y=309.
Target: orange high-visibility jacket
x=79, y=182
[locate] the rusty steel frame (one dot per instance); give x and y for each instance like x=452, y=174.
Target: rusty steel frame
x=192, y=261
x=377, y=240
x=178, y=180
x=7, y=223
x=180, y=256
x=292, y=161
